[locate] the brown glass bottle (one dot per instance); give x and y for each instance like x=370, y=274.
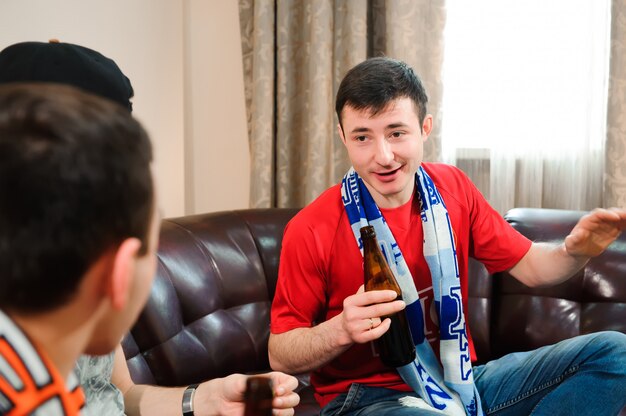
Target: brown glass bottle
x=396, y=346
x=258, y=397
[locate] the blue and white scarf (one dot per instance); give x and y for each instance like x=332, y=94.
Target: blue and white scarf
x=449, y=389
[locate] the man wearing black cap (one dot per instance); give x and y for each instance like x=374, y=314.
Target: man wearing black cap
x=64, y=63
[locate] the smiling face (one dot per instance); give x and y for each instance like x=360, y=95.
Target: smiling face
x=386, y=148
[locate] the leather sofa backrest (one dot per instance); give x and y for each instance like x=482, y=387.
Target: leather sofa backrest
x=208, y=311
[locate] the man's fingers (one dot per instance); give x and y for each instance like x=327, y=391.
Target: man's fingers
x=285, y=386
x=371, y=297
x=621, y=213
x=286, y=402
x=594, y=233
x=357, y=315
x=362, y=313
x=283, y=412
x=384, y=309
x=603, y=219
x=373, y=323
x=377, y=331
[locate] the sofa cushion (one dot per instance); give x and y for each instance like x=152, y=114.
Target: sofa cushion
x=208, y=312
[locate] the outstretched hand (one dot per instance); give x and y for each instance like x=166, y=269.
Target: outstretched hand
x=595, y=231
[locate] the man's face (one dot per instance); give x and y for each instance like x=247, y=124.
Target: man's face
x=386, y=149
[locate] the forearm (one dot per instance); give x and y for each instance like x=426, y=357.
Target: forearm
x=153, y=400
x=547, y=264
x=305, y=349
x=142, y=400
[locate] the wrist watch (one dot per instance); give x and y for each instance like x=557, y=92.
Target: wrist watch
x=188, y=400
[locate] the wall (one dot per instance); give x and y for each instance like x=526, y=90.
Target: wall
x=193, y=110
x=217, y=152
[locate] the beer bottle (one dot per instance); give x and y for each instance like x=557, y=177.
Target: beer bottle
x=258, y=397
x=395, y=346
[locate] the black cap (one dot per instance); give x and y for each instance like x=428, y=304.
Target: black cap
x=65, y=63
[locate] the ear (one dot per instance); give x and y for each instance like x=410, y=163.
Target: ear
x=340, y=130
x=123, y=272
x=427, y=126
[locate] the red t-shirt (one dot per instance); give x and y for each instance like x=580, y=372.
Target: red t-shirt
x=321, y=265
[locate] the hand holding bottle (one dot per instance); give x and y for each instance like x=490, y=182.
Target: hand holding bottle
x=396, y=345
x=363, y=314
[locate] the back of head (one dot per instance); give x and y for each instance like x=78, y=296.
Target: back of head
x=75, y=181
x=376, y=82
x=66, y=63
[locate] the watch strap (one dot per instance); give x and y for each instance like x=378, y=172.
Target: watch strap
x=188, y=399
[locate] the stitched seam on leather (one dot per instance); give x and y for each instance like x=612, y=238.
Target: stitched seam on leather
x=211, y=260
x=198, y=243
x=257, y=246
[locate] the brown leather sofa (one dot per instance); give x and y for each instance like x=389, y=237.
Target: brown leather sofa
x=208, y=313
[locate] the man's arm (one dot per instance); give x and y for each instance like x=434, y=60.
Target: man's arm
x=549, y=264
x=304, y=349
x=222, y=396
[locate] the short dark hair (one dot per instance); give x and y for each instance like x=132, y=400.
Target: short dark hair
x=75, y=181
x=375, y=82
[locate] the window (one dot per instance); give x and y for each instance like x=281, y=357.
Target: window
x=524, y=100
x=525, y=73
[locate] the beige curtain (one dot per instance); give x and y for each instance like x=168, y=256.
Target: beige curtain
x=295, y=53
x=615, y=160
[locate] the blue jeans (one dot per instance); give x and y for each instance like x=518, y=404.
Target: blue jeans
x=585, y=375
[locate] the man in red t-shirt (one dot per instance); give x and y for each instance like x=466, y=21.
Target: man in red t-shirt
x=322, y=321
